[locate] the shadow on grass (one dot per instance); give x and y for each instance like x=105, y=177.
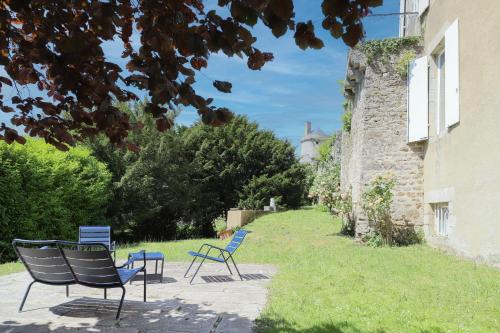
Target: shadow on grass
x=267, y=325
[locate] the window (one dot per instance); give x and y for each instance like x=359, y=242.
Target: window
x=441, y=99
x=441, y=213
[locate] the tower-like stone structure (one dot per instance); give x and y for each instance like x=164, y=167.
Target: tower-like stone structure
x=377, y=142
x=310, y=142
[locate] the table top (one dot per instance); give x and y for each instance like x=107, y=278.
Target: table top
x=149, y=256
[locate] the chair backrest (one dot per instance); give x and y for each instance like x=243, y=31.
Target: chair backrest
x=95, y=234
x=60, y=262
x=91, y=264
x=238, y=238
x=44, y=261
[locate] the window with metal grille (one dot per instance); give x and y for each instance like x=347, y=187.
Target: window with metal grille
x=441, y=213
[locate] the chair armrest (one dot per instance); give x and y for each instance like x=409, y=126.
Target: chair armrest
x=112, y=246
x=215, y=247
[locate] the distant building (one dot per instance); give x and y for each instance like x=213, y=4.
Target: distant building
x=310, y=142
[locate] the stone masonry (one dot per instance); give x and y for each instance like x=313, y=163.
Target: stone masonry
x=377, y=143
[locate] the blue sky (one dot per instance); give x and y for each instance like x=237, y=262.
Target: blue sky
x=295, y=87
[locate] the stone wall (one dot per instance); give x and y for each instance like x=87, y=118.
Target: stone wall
x=377, y=143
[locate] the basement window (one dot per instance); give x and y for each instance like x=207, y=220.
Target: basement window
x=441, y=213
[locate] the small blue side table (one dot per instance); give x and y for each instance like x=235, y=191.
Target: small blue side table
x=156, y=256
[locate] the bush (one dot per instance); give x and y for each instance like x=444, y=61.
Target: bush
x=406, y=235
x=376, y=202
x=287, y=188
x=47, y=194
x=404, y=61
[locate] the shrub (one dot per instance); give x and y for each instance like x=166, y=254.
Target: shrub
x=376, y=203
x=47, y=194
x=382, y=49
x=405, y=235
x=404, y=61
x=286, y=187
x=326, y=185
x=347, y=121
x=344, y=209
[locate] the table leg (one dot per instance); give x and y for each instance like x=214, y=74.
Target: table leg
x=161, y=273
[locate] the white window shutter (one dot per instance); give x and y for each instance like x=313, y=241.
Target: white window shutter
x=422, y=6
x=418, y=100
x=452, y=75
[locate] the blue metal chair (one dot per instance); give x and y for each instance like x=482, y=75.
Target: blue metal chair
x=224, y=254
x=97, y=235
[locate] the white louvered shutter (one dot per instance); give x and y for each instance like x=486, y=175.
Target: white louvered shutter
x=418, y=100
x=452, y=75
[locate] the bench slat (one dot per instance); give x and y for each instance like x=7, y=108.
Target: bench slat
x=52, y=261
x=89, y=255
x=94, y=279
x=54, y=278
x=50, y=269
x=38, y=253
x=100, y=271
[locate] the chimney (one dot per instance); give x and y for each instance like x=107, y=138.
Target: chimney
x=308, y=128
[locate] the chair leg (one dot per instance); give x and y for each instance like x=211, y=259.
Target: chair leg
x=145, y=283
x=132, y=268
x=67, y=290
x=25, y=296
x=227, y=265
x=105, y=293
x=121, y=303
x=192, y=262
x=234, y=263
x=201, y=263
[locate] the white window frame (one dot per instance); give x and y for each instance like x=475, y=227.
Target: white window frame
x=441, y=218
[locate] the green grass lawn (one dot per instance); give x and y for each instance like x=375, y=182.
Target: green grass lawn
x=328, y=283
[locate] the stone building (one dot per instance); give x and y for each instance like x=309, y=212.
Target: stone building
x=377, y=143
x=310, y=142
x=437, y=131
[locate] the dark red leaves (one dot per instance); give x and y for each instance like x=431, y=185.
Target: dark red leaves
x=343, y=18
x=257, y=59
x=282, y=8
x=305, y=37
x=217, y=117
x=5, y=80
x=59, y=47
x=353, y=34
x=223, y=86
x=198, y=63
x=163, y=124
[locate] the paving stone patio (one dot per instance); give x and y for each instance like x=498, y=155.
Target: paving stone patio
x=216, y=302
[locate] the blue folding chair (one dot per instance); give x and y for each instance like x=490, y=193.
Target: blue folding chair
x=224, y=254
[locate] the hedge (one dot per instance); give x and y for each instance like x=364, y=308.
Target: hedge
x=47, y=194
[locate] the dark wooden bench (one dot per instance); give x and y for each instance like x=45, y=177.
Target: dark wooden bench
x=57, y=262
